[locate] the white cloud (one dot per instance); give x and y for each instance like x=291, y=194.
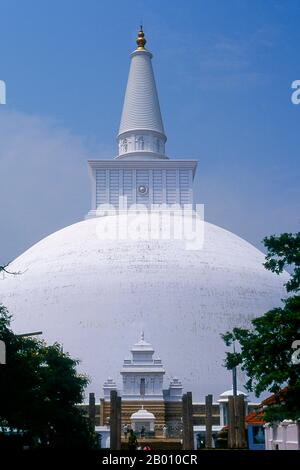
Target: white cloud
x=44, y=181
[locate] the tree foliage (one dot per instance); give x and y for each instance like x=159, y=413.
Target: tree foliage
x=266, y=350
x=39, y=390
x=284, y=251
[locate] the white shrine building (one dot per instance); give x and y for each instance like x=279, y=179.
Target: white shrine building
x=143, y=377
x=143, y=387
x=146, y=403
x=142, y=374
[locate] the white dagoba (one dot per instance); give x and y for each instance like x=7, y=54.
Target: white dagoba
x=93, y=294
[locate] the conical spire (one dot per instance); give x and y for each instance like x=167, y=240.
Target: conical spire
x=141, y=132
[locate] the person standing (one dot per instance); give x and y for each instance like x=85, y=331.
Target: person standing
x=132, y=441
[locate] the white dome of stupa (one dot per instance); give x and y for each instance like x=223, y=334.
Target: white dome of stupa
x=95, y=295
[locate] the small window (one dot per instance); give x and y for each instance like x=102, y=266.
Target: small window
x=142, y=387
x=139, y=143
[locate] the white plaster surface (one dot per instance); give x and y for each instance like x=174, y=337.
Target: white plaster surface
x=95, y=296
x=141, y=108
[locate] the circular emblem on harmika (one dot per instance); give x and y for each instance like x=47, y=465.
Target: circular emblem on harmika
x=143, y=189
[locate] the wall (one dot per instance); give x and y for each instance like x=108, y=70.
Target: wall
x=285, y=436
x=161, y=186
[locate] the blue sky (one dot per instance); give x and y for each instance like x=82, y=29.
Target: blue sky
x=223, y=69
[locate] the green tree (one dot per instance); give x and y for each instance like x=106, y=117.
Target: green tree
x=284, y=251
x=39, y=391
x=266, y=350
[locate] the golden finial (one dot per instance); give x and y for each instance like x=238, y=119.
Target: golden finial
x=140, y=40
